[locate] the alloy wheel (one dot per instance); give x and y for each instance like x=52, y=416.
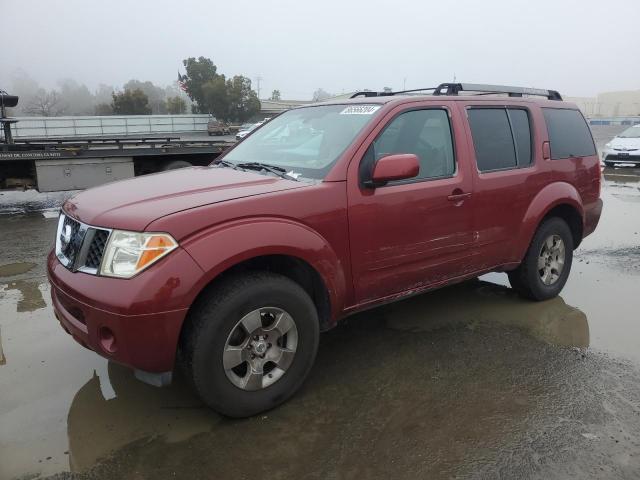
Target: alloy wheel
x=260, y=348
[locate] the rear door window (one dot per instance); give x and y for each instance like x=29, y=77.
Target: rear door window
x=501, y=138
x=569, y=134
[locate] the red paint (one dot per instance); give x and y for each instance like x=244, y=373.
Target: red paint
x=369, y=245
x=396, y=167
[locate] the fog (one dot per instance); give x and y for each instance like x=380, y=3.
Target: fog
x=577, y=47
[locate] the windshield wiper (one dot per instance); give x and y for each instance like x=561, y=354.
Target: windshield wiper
x=279, y=171
x=224, y=163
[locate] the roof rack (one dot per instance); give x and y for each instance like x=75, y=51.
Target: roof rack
x=456, y=88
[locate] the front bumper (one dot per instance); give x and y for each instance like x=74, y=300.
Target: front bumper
x=615, y=156
x=134, y=322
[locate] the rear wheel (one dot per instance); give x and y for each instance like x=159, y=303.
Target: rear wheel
x=547, y=263
x=251, y=343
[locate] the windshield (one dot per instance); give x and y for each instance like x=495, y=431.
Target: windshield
x=633, y=132
x=306, y=141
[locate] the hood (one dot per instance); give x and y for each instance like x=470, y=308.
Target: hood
x=629, y=143
x=134, y=203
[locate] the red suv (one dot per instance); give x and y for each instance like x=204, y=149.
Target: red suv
x=231, y=271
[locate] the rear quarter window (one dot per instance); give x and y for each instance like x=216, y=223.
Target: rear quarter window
x=569, y=134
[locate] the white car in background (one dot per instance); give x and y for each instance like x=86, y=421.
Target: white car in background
x=624, y=148
x=243, y=132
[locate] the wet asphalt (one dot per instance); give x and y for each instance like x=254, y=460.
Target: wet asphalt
x=469, y=381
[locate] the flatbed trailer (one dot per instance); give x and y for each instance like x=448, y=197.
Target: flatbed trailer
x=54, y=164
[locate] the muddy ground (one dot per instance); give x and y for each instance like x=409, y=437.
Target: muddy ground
x=466, y=382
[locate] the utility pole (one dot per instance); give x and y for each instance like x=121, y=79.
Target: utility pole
x=404, y=83
x=258, y=80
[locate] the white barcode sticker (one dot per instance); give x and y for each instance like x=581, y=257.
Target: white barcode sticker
x=360, y=109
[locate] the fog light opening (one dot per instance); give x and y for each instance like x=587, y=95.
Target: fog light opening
x=107, y=340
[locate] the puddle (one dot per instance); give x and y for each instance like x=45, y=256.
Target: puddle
x=31, y=299
x=623, y=258
x=385, y=402
x=97, y=425
x=481, y=302
x=20, y=202
x=11, y=269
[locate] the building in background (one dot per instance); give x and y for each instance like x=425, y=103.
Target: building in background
x=610, y=104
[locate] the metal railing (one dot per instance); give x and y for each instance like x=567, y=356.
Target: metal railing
x=614, y=120
x=30, y=127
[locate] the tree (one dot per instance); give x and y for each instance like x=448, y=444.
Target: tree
x=26, y=88
x=211, y=92
x=243, y=101
x=156, y=95
x=215, y=98
x=176, y=106
x=275, y=95
x=103, y=109
x=200, y=72
x=130, y=102
x=75, y=98
x=44, y=104
x=319, y=95
x=103, y=94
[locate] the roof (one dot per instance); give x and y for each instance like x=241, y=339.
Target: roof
x=439, y=98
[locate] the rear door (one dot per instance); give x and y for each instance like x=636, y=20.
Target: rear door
x=416, y=232
x=505, y=154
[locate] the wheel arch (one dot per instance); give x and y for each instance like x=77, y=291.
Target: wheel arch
x=559, y=199
x=294, y=268
x=272, y=244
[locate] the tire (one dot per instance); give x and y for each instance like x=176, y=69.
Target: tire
x=213, y=325
x=542, y=284
x=176, y=164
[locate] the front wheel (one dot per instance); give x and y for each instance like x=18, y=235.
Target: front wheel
x=251, y=343
x=547, y=263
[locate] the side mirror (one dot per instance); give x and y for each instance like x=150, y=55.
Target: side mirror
x=394, y=167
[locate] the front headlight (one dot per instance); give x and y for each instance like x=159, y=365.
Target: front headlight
x=128, y=253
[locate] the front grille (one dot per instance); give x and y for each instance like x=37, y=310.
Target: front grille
x=96, y=249
x=69, y=239
x=79, y=246
x=624, y=158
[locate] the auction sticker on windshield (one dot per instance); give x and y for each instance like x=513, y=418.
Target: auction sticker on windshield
x=360, y=109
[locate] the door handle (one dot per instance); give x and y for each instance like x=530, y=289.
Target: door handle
x=458, y=196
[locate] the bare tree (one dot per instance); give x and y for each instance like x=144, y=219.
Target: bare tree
x=45, y=104
x=320, y=95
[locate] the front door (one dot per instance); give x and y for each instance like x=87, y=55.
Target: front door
x=417, y=232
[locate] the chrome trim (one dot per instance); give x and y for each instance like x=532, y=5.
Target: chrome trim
x=85, y=239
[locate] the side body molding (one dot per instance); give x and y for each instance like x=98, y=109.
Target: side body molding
x=552, y=195
x=218, y=248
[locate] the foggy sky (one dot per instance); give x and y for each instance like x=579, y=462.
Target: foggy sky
x=577, y=47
